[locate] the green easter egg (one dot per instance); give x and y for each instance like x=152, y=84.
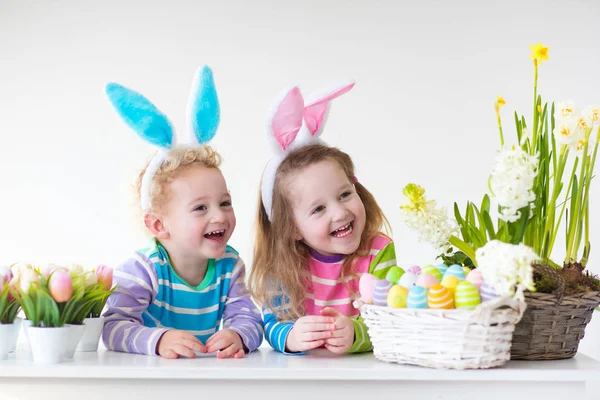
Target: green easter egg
x=394, y=274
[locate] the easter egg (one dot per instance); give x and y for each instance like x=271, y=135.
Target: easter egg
x=475, y=278
x=397, y=297
x=450, y=282
x=415, y=269
x=366, y=287
x=442, y=268
x=466, y=270
x=466, y=296
x=380, y=294
x=408, y=280
x=430, y=269
x=417, y=297
x=426, y=280
x=440, y=298
x=394, y=274
x=457, y=271
x=487, y=292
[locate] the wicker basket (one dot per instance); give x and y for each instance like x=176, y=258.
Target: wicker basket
x=457, y=339
x=553, y=324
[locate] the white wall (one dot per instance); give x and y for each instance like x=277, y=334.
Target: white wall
x=422, y=110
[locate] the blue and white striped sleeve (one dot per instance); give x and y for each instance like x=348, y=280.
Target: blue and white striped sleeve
x=276, y=332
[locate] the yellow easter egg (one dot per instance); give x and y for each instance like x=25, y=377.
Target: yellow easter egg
x=397, y=297
x=466, y=296
x=439, y=297
x=450, y=282
x=467, y=270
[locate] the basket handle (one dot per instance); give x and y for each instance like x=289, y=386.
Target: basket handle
x=551, y=272
x=483, y=312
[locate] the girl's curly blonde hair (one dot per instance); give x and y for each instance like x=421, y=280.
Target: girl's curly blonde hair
x=177, y=160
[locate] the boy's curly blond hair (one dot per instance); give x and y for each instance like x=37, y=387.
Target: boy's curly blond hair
x=177, y=160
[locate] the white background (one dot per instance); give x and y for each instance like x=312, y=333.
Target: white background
x=427, y=75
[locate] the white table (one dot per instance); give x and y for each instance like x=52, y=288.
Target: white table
x=263, y=374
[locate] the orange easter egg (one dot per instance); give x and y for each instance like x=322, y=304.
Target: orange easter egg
x=439, y=297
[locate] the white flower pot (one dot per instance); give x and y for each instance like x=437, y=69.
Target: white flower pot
x=24, y=325
x=18, y=328
x=8, y=339
x=48, y=344
x=91, y=335
x=75, y=336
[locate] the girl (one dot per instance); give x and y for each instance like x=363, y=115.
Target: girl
x=318, y=230
x=173, y=295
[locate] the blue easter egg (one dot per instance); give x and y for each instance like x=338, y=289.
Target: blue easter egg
x=442, y=268
x=457, y=271
x=417, y=297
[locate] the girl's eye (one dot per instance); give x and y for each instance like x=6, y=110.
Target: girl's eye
x=226, y=204
x=318, y=209
x=200, y=208
x=345, y=194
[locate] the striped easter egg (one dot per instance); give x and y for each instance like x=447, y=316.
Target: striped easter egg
x=457, y=271
x=466, y=296
x=397, y=297
x=430, y=269
x=442, y=268
x=487, y=292
x=417, y=297
x=440, y=298
x=380, y=294
x=475, y=278
x=466, y=270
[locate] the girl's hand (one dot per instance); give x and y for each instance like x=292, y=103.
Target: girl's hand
x=309, y=333
x=343, y=336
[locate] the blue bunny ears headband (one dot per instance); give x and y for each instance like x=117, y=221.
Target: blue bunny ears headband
x=202, y=115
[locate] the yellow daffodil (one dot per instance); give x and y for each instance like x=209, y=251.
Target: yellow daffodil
x=539, y=53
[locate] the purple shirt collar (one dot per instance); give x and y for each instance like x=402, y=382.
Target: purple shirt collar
x=327, y=259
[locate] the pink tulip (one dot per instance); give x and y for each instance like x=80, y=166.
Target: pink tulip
x=105, y=276
x=50, y=268
x=61, y=286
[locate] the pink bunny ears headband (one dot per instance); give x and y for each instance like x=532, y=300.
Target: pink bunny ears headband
x=293, y=123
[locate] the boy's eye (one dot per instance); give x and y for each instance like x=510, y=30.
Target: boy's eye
x=345, y=194
x=201, y=207
x=226, y=204
x=318, y=209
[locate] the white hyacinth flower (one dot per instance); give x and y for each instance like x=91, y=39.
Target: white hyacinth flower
x=429, y=221
x=511, y=181
x=507, y=267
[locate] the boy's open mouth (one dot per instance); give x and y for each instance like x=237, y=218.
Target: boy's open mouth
x=216, y=236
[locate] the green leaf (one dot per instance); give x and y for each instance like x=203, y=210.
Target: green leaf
x=489, y=224
x=485, y=204
x=464, y=247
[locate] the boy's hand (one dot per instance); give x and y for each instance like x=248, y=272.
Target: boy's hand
x=227, y=342
x=175, y=343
